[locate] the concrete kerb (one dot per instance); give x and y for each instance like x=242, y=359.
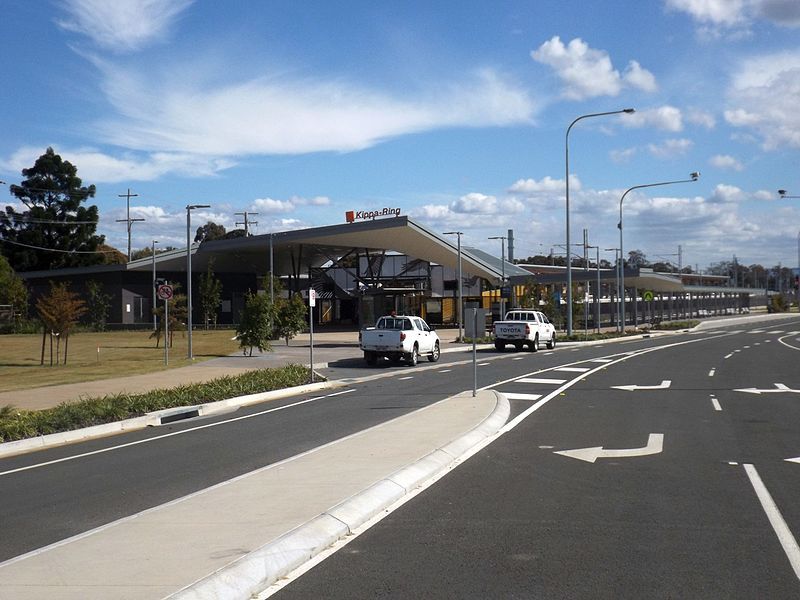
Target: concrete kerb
x=153, y=419
x=261, y=568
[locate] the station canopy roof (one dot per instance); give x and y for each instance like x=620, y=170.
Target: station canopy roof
x=298, y=250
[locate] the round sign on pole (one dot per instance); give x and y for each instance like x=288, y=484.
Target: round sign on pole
x=647, y=296
x=164, y=292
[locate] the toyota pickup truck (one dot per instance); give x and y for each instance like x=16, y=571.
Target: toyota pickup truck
x=524, y=328
x=399, y=338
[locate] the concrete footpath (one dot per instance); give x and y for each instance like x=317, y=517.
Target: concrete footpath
x=238, y=537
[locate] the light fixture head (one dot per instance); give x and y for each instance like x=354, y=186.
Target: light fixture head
x=782, y=192
x=629, y=111
x=695, y=175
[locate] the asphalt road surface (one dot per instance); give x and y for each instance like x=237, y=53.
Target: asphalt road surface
x=681, y=484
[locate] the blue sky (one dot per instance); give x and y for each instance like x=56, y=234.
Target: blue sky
x=454, y=112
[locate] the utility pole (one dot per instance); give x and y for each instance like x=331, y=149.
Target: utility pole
x=246, y=223
x=128, y=220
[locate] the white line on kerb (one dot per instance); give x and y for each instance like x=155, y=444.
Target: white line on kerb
x=782, y=530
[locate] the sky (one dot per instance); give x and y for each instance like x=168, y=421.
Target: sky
x=454, y=112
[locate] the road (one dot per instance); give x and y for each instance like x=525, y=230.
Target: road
x=668, y=506
x=700, y=503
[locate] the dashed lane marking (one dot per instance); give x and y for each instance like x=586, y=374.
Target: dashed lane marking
x=573, y=369
x=541, y=380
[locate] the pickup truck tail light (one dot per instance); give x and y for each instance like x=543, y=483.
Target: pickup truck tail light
x=527, y=329
x=402, y=336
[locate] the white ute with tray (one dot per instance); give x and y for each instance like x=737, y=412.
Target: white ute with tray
x=524, y=328
x=399, y=338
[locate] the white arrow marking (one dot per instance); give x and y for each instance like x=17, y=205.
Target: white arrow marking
x=630, y=388
x=779, y=388
x=655, y=444
x=794, y=460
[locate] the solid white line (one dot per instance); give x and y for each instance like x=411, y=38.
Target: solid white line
x=512, y=396
x=539, y=380
x=782, y=530
x=573, y=369
x=174, y=433
x=715, y=402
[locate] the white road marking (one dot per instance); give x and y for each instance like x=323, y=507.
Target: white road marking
x=778, y=389
x=601, y=360
x=630, y=388
x=483, y=364
x=715, y=402
x=655, y=445
x=404, y=378
x=515, y=396
x=711, y=372
x=794, y=460
x=782, y=530
x=573, y=369
x=444, y=371
x=519, y=358
x=540, y=380
x=746, y=347
x=172, y=434
x=728, y=355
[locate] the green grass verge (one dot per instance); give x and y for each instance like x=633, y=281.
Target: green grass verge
x=667, y=325
x=20, y=424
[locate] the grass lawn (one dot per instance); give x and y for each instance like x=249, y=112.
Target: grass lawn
x=94, y=356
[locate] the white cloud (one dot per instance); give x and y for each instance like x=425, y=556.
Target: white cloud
x=279, y=116
x=546, y=185
x=666, y=118
x=717, y=12
x=762, y=97
x=701, y=117
x=726, y=194
x=764, y=195
x=670, y=148
x=98, y=167
x=587, y=73
x=475, y=203
x=122, y=25
x=269, y=205
x=639, y=78
x=725, y=161
x=622, y=156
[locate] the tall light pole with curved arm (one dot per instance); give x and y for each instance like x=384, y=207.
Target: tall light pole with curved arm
x=692, y=177
x=189, y=209
x=569, y=261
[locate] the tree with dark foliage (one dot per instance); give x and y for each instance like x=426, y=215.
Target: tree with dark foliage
x=55, y=231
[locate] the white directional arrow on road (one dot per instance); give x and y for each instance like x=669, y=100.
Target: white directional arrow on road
x=630, y=388
x=794, y=460
x=655, y=445
x=779, y=388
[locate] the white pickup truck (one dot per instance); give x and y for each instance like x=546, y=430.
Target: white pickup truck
x=524, y=328
x=399, y=338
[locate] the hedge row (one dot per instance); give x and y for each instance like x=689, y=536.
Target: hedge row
x=20, y=424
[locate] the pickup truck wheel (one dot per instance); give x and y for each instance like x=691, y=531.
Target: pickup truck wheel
x=552, y=343
x=434, y=356
x=499, y=346
x=535, y=345
x=413, y=357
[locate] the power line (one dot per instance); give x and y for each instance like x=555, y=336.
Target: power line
x=56, y=250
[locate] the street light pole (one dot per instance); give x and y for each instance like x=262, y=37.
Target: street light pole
x=189, y=209
x=502, y=239
x=616, y=281
x=692, y=178
x=460, y=293
x=566, y=182
x=155, y=319
x=784, y=194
